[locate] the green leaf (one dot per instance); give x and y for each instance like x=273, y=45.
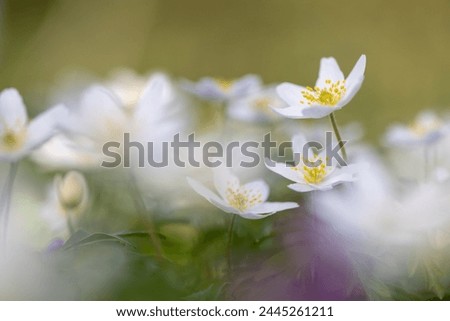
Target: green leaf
x=82, y=238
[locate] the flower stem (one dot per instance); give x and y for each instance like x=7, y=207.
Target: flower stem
x=70, y=226
x=6, y=201
x=230, y=241
x=338, y=136
x=142, y=208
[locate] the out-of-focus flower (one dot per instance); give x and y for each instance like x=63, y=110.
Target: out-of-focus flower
x=18, y=136
x=399, y=232
x=72, y=190
x=102, y=117
x=256, y=107
x=127, y=85
x=426, y=129
x=313, y=173
x=248, y=200
x=331, y=92
x=218, y=89
x=63, y=152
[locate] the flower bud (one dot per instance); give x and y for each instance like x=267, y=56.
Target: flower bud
x=72, y=190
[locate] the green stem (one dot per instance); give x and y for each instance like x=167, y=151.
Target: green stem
x=69, y=214
x=230, y=241
x=338, y=136
x=6, y=200
x=142, y=208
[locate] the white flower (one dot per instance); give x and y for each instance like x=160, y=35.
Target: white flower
x=248, y=200
x=404, y=234
x=256, y=107
x=18, y=136
x=313, y=173
x=223, y=89
x=102, y=117
x=426, y=129
x=331, y=92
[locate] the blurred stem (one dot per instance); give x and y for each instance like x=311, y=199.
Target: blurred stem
x=426, y=161
x=142, y=208
x=69, y=214
x=6, y=201
x=230, y=241
x=338, y=136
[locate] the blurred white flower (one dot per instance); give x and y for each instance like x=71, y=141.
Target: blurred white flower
x=248, y=200
x=18, y=136
x=313, y=173
x=331, y=92
x=404, y=233
x=256, y=107
x=218, y=89
x=63, y=152
x=426, y=129
x=102, y=117
x=127, y=85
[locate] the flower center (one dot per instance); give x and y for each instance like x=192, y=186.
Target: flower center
x=313, y=174
x=421, y=129
x=329, y=95
x=241, y=198
x=11, y=140
x=224, y=84
x=262, y=104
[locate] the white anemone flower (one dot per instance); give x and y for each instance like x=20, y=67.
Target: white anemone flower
x=426, y=129
x=18, y=135
x=331, y=92
x=220, y=89
x=248, y=200
x=256, y=107
x=102, y=117
x=313, y=173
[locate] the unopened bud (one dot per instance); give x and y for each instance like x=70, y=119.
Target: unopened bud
x=72, y=190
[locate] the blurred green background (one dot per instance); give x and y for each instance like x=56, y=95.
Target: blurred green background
x=407, y=44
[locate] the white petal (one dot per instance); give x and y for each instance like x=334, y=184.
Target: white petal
x=337, y=178
x=302, y=188
x=13, y=113
x=285, y=171
x=155, y=97
x=259, y=187
x=223, y=179
x=43, y=127
x=291, y=94
x=329, y=69
x=299, y=112
x=354, y=80
x=210, y=196
x=209, y=89
x=246, y=85
x=268, y=208
x=298, y=141
x=98, y=114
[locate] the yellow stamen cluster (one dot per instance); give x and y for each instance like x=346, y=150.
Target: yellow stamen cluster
x=313, y=174
x=241, y=198
x=330, y=95
x=11, y=140
x=224, y=84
